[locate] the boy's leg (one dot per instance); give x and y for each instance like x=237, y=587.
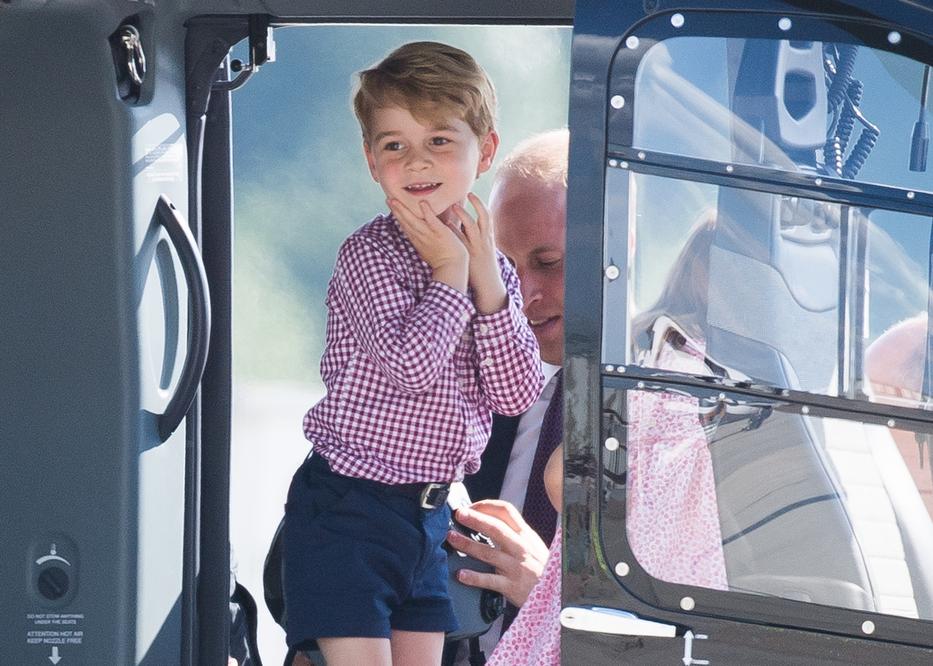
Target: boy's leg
x=416, y=648
x=356, y=651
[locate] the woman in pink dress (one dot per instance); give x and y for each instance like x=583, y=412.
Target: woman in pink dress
x=672, y=515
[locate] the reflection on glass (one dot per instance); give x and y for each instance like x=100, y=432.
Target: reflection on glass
x=778, y=290
x=821, y=510
x=672, y=520
x=841, y=110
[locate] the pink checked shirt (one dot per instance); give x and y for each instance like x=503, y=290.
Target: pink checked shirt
x=412, y=371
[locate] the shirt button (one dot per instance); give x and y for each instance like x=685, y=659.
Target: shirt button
x=452, y=348
x=487, y=361
x=484, y=329
x=465, y=317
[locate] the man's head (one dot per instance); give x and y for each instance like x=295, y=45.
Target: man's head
x=427, y=113
x=529, y=208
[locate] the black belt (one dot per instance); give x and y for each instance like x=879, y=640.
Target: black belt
x=428, y=495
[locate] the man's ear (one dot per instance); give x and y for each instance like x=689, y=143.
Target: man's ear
x=487, y=152
x=370, y=160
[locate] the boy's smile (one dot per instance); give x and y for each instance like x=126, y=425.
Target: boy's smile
x=437, y=162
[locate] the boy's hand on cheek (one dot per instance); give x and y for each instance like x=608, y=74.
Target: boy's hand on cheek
x=479, y=239
x=435, y=242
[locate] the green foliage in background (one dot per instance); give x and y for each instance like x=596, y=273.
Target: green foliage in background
x=301, y=184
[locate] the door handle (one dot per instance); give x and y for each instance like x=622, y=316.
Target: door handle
x=199, y=327
x=613, y=621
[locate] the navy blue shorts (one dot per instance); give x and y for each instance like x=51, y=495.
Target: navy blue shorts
x=360, y=562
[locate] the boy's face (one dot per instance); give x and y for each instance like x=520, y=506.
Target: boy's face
x=437, y=163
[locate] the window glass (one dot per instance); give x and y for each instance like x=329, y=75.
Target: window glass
x=754, y=496
x=774, y=289
x=802, y=106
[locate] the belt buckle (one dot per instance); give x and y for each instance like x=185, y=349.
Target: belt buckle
x=434, y=495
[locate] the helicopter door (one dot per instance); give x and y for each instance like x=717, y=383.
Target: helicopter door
x=105, y=323
x=748, y=410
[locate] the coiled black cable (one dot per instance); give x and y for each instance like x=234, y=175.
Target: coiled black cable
x=844, y=96
x=863, y=147
x=845, y=63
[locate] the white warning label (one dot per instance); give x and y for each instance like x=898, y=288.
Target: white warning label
x=54, y=628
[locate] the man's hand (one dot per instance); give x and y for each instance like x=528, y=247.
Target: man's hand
x=519, y=555
x=435, y=242
x=478, y=237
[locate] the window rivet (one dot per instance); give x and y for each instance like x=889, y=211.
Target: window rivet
x=613, y=272
x=622, y=569
x=677, y=20
x=784, y=23
x=631, y=42
x=613, y=163
x=621, y=368
x=612, y=444
x=894, y=37
x=610, y=368
x=729, y=168
x=687, y=603
x=868, y=627
x=818, y=182
x=911, y=195
x=640, y=385
x=624, y=165
x=804, y=410
x=891, y=423
x=641, y=154
x=722, y=396
x=617, y=101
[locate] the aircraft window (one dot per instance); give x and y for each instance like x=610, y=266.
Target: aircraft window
x=768, y=288
x=823, y=108
x=301, y=187
x=722, y=492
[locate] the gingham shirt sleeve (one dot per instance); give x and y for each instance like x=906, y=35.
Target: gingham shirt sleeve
x=507, y=354
x=409, y=340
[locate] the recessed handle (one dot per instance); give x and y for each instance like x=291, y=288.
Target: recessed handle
x=613, y=621
x=199, y=327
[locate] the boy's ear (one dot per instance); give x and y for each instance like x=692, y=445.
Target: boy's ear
x=487, y=152
x=370, y=161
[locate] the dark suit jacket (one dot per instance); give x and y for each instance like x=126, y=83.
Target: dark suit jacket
x=487, y=482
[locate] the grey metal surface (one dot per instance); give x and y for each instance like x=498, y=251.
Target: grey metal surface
x=79, y=364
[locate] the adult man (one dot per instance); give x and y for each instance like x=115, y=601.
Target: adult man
x=528, y=206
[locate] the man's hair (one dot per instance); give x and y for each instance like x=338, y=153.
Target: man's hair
x=542, y=158
x=431, y=81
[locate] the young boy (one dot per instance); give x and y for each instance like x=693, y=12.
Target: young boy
x=425, y=337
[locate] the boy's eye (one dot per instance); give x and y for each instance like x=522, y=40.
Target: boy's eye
x=440, y=141
x=392, y=145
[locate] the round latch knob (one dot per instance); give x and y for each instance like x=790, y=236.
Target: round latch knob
x=53, y=583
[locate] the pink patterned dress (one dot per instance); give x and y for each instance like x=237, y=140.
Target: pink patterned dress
x=672, y=516
x=533, y=639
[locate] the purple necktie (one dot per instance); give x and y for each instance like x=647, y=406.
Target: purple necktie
x=537, y=509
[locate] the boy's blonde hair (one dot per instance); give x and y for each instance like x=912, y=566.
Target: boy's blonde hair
x=432, y=81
